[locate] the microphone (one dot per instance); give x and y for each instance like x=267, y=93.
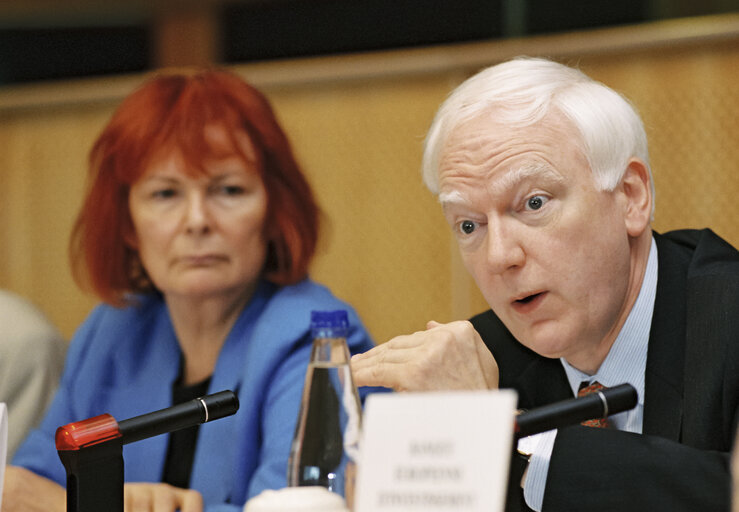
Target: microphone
x=187, y=414
x=91, y=450
x=103, y=428
x=575, y=410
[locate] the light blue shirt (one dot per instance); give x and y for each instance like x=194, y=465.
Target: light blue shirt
x=626, y=362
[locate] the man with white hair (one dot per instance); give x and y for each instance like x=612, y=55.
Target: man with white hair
x=543, y=175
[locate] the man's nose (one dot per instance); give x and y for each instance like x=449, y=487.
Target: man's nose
x=504, y=248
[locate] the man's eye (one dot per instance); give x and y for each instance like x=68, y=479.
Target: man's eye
x=467, y=227
x=535, y=202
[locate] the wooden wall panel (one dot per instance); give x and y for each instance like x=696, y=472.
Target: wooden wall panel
x=43, y=168
x=386, y=245
x=689, y=100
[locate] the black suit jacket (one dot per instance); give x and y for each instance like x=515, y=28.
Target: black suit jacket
x=691, y=402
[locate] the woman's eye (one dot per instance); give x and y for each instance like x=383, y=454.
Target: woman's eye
x=535, y=202
x=232, y=190
x=164, y=193
x=467, y=227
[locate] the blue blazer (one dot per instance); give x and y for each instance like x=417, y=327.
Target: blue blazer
x=124, y=362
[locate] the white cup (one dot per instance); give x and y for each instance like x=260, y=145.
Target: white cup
x=297, y=499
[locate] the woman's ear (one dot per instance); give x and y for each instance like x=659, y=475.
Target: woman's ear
x=636, y=188
x=129, y=236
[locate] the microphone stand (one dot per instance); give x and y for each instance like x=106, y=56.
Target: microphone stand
x=91, y=450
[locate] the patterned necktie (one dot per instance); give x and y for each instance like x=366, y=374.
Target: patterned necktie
x=586, y=389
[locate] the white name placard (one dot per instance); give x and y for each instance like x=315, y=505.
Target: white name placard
x=430, y=452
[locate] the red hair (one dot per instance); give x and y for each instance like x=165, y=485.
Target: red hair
x=170, y=112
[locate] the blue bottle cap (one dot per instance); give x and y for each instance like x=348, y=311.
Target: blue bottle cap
x=329, y=319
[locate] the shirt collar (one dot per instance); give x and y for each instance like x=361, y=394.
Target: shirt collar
x=626, y=362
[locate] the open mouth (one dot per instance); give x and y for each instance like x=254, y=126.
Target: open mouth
x=529, y=298
x=528, y=303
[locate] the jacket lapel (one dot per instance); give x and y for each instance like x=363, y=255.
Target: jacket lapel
x=543, y=382
x=666, y=354
x=149, y=389
x=213, y=476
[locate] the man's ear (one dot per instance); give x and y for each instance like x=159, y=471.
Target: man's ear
x=636, y=190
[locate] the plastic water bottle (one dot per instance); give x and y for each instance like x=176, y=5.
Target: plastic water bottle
x=326, y=440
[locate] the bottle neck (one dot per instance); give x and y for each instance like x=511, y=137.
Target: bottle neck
x=332, y=351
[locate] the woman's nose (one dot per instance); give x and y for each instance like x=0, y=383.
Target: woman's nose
x=196, y=215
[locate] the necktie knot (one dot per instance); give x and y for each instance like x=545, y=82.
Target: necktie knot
x=588, y=389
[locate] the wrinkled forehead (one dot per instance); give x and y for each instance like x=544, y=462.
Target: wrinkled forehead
x=486, y=138
x=485, y=153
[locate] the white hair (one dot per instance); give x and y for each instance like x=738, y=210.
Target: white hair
x=523, y=91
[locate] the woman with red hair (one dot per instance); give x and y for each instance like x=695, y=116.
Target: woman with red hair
x=196, y=231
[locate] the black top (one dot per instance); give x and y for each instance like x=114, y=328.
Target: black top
x=181, y=447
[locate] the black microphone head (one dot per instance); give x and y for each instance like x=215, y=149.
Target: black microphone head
x=605, y=402
x=620, y=398
x=220, y=405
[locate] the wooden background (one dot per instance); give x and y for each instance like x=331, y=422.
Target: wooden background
x=357, y=124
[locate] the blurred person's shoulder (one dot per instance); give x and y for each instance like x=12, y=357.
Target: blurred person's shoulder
x=22, y=320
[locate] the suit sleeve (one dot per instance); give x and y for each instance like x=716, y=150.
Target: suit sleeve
x=600, y=469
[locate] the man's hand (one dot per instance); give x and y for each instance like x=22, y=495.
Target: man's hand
x=143, y=497
x=443, y=357
x=25, y=491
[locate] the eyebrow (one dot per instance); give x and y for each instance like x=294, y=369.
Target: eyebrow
x=506, y=182
x=157, y=177
x=453, y=197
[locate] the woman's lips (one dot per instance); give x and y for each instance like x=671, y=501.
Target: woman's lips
x=202, y=260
